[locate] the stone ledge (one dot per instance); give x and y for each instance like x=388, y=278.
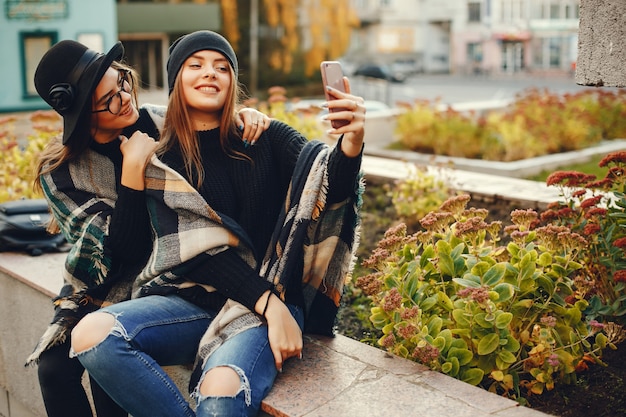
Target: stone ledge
x=514, y=169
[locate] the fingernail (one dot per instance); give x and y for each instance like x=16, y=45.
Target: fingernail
x=253, y=143
x=324, y=105
x=245, y=143
x=240, y=127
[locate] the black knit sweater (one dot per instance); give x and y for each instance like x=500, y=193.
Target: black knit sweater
x=251, y=193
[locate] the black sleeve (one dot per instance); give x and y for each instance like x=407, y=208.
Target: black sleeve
x=130, y=238
x=231, y=276
x=144, y=124
x=342, y=174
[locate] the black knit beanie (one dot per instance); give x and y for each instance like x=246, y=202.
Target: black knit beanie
x=187, y=45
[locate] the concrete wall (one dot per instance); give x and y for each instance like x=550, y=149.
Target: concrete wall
x=27, y=285
x=25, y=312
x=602, y=43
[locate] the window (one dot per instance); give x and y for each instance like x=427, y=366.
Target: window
x=555, y=52
x=33, y=45
x=473, y=11
x=555, y=11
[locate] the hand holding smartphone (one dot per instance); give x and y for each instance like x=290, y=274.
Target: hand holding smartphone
x=332, y=75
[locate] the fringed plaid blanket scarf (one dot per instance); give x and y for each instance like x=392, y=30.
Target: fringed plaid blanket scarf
x=325, y=236
x=82, y=194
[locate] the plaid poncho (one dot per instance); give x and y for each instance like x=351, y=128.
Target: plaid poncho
x=324, y=236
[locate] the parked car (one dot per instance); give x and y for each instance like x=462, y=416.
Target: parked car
x=380, y=71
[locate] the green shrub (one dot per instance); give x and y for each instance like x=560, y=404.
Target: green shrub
x=451, y=298
x=304, y=120
x=419, y=193
x=538, y=122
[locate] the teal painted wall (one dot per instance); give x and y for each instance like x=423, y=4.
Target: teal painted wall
x=69, y=19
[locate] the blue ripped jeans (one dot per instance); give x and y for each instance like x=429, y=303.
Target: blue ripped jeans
x=155, y=331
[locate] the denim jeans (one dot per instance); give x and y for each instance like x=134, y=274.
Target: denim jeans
x=156, y=331
x=250, y=355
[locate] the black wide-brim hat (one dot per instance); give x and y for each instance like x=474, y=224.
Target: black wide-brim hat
x=66, y=78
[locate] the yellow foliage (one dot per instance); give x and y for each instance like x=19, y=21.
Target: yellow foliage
x=229, y=19
x=304, y=121
x=326, y=36
x=19, y=158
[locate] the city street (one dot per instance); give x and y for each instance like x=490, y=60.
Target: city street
x=453, y=89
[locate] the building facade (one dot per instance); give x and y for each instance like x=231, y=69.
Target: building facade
x=469, y=36
x=432, y=36
x=29, y=28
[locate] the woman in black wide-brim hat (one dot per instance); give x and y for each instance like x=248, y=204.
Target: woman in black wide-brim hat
x=93, y=178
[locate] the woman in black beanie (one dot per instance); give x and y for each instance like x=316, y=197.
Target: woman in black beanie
x=93, y=178
x=252, y=246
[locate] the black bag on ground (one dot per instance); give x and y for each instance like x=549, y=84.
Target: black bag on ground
x=23, y=227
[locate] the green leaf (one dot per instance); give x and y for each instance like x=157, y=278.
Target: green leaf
x=472, y=376
x=545, y=259
x=513, y=249
x=512, y=344
x=482, y=321
x=527, y=267
x=494, y=275
x=434, y=326
x=505, y=292
x=546, y=283
x=427, y=255
x=460, y=318
x=445, y=301
x=488, y=344
x=443, y=247
x=388, y=328
x=439, y=343
x=463, y=282
x=464, y=356
x=503, y=320
x=480, y=269
x=506, y=356
x=446, y=265
x=428, y=303
x=601, y=340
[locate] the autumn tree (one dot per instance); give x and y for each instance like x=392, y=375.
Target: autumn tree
x=314, y=29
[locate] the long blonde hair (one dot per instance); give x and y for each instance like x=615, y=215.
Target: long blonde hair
x=178, y=128
x=55, y=153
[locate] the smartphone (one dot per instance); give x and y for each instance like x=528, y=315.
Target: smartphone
x=332, y=75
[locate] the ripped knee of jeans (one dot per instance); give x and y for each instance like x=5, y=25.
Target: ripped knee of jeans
x=93, y=329
x=244, y=385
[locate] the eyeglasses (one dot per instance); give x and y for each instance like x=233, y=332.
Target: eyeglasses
x=114, y=104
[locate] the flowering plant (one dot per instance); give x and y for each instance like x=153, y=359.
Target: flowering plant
x=450, y=297
x=596, y=209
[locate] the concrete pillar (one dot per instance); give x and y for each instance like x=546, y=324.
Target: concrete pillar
x=602, y=43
